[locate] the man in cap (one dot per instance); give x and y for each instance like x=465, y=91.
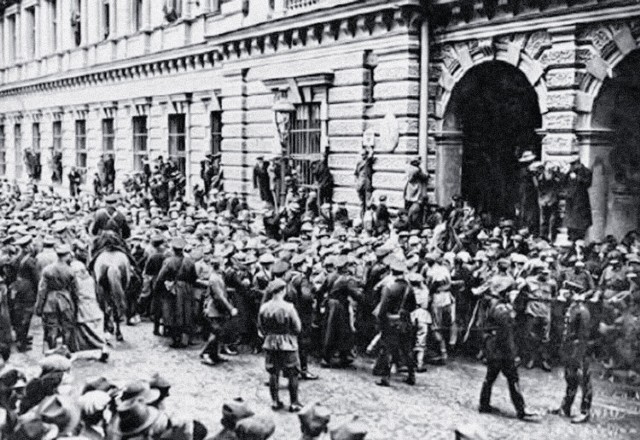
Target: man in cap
x=541, y=290
x=176, y=281
x=364, y=176
x=280, y=324
x=217, y=306
x=576, y=371
x=500, y=351
x=57, y=299
x=394, y=318
x=24, y=291
x=527, y=210
x=150, y=298
x=48, y=254
x=300, y=294
x=261, y=180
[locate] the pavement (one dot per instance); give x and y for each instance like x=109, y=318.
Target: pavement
x=445, y=397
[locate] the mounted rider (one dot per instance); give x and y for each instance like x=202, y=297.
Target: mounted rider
x=110, y=229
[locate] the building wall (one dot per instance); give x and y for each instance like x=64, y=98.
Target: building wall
x=240, y=71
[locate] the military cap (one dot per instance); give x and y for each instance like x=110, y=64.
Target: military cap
x=413, y=240
x=250, y=259
x=255, y=428
x=23, y=241
x=178, y=243
x=100, y=384
x=112, y=198
x=55, y=363
x=306, y=227
x=632, y=259
x=291, y=247
x=63, y=249
x=280, y=267
x=276, y=285
x=59, y=227
x=234, y=411
x=157, y=239
x=298, y=259
x=314, y=419
x=398, y=265
x=267, y=258
x=352, y=430
x=503, y=263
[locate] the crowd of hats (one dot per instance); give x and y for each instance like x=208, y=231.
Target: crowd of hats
x=100, y=409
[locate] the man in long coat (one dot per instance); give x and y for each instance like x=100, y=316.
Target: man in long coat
x=25, y=291
x=578, y=207
x=177, y=280
x=364, y=179
x=57, y=300
x=261, y=180
x=527, y=205
x=415, y=193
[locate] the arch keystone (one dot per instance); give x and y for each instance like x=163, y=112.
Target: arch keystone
x=464, y=57
x=508, y=52
x=598, y=68
x=624, y=40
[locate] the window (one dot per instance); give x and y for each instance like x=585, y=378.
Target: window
x=30, y=34
x=177, y=141
x=106, y=17
x=35, y=137
x=81, y=144
x=17, y=149
x=214, y=5
x=3, y=153
x=303, y=145
x=53, y=29
x=215, y=121
x=13, y=39
x=172, y=10
x=138, y=6
x=108, y=135
x=140, y=153
x=56, y=130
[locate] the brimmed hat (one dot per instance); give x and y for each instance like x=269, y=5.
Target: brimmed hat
x=276, y=285
x=527, y=156
x=234, y=411
x=178, y=243
x=314, y=419
x=61, y=411
x=35, y=430
x=158, y=382
x=55, y=363
x=255, y=428
x=94, y=402
x=353, y=430
x=139, y=390
x=398, y=265
x=134, y=417
x=99, y=384
x=63, y=249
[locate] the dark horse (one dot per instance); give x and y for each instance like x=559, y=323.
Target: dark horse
x=114, y=277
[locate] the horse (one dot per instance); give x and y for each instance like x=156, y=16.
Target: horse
x=114, y=277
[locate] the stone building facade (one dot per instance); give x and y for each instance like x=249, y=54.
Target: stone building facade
x=181, y=79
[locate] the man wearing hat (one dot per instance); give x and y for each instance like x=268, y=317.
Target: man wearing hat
x=352, y=430
x=540, y=291
x=364, y=176
x=576, y=371
x=300, y=294
x=281, y=325
x=24, y=292
x=255, y=428
x=109, y=218
x=261, y=180
x=394, y=319
x=500, y=351
x=314, y=421
x=232, y=412
x=527, y=210
x=57, y=299
x=150, y=298
x=176, y=281
x=415, y=193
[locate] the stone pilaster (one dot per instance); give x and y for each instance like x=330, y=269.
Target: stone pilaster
x=234, y=143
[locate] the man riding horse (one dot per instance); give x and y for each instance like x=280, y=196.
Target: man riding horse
x=112, y=264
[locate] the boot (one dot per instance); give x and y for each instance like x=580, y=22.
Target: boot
x=420, y=367
x=581, y=418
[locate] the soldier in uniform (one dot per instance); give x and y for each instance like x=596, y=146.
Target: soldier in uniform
x=541, y=290
x=394, y=318
x=57, y=299
x=300, y=294
x=500, y=352
x=576, y=370
x=25, y=290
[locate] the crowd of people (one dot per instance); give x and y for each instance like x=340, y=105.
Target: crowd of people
x=306, y=278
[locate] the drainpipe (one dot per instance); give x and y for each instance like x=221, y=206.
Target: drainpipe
x=424, y=92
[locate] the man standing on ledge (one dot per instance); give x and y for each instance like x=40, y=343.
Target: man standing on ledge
x=280, y=325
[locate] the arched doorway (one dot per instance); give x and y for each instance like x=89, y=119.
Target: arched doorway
x=495, y=110
x=616, y=112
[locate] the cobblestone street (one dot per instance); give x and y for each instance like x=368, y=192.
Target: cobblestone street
x=445, y=397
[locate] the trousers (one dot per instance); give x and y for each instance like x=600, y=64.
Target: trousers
x=578, y=375
x=508, y=368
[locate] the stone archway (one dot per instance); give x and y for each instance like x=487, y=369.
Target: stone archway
x=607, y=125
x=495, y=109
x=520, y=53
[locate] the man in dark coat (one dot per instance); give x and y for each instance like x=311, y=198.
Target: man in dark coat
x=57, y=300
x=364, y=179
x=500, y=352
x=109, y=218
x=151, y=298
x=527, y=205
x=177, y=280
x=397, y=303
x=577, y=217
x=25, y=291
x=576, y=370
x=300, y=294
x=75, y=179
x=261, y=180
